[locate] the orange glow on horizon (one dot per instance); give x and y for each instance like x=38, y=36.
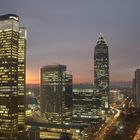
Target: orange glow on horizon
x=75, y=80
x=31, y=78
x=34, y=78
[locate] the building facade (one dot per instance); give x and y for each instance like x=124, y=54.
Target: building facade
x=56, y=93
x=136, y=88
x=21, y=80
x=116, y=96
x=12, y=78
x=101, y=78
x=82, y=105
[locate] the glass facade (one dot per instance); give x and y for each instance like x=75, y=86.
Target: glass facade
x=56, y=93
x=101, y=78
x=82, y=106
x=9, y=47
x=21, y=80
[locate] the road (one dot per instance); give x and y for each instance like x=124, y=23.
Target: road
x=137, y=135
x=107, y=126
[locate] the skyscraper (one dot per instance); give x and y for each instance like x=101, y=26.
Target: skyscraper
x=136, y=88
x=82, y=105
x=56, y=93
x=12, y=78
x=21, y=80
x=101, y=78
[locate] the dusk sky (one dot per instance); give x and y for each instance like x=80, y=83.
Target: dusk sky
x=66, y=31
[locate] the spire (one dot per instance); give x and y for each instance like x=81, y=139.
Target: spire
x=101, y=39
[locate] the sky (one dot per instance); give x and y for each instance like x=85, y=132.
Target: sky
x=66, y=31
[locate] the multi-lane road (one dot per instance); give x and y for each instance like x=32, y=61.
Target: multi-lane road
x=107, y=126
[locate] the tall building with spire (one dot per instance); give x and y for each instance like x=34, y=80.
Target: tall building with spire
x=101, y=78
x=12, y=78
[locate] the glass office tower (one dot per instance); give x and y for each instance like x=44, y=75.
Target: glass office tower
x=21, y=80
x=56, y=94
x=11, y=88
x=82, y=105
x=101, y=78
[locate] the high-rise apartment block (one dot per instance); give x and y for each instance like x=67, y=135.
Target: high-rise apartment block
x=136, y=88
x=56, y=94
x=12, y=78
x=101, y=78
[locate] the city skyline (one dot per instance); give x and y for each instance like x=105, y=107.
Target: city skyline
x=65, y=32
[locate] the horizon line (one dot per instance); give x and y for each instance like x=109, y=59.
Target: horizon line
x=85, y=82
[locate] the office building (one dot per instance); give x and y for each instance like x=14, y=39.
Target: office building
x=136, y=88
x=82, y=105
x=101, y=78
x=12, y=78
x=21, y=80
x=116, y=96
x=56, y=94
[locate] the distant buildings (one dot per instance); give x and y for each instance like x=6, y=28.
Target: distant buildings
x=116, y=96
x=136, y=88
x=101, y=78
x=56, y=94
x=12, y=78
